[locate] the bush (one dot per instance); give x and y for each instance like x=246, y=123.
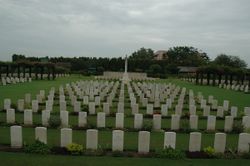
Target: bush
x=238, y=127
x=38, y=147
x=209, y=151
x=75, y=149
x=54, y=121
x=147, y=126
x=185, y=126
x=85, y=108
x=170, y=153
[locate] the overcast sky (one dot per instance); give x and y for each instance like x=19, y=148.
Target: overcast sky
x=114, y=28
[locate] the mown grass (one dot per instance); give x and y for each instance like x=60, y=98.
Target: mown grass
x=21, y=159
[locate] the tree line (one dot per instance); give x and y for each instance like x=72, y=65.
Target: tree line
x=142, y=60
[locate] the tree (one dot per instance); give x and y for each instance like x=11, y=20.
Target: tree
x=155, y=69
x=187, y=56
x=231, y=61
x=142, y=53
x=16, y=57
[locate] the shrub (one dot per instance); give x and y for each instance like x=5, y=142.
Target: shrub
x=170, y=153
x=38, y=147
x=209, y=151
x=238, y=127
x=54, y=121
x=117, y=154
x=147, y=126
x=75, y=149
x=247, y=130
x=85, y=108
x=185, y=126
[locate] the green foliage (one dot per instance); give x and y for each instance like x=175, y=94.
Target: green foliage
x=147, y=126
x=54, y=121
x=38, y=147
x=209, y=151
x=75, y=149
x=238, y=127
x=155, y=68
x=142, y=53
x=231, y=61
x=170, y=153
x=187, y=56
x=85, y=108
x=117, y=154
x=185, y=126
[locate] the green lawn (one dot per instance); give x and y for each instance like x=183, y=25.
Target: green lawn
x=20, y=159
x=15, y=92
x=239, y=99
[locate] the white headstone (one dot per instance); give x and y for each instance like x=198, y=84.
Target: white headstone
x=175, y=122
x=41, y=134
x=138, y=121
x=195, y=142
x=10, y=116
x=16, y=138
x=144, y=142
x=119, y=120
x=66, y=137
x=82, y=119
x=117, y=140
x=92, y=139
x=28, y=118
x=169, y=139
x=220, y=142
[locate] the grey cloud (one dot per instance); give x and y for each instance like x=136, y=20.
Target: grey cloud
x=115, y=28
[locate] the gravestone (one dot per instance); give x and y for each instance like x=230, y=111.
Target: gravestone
x=117, y=140
x=156, y=122
x=175, y=122
x=82, y=119
x=101, y=119
x=92, y=139
x=195, y=142
x=119, y=120
x=10, y=116
x=143, y=142
x=66, y=137
x=16, y=138
x=138, y=121
x=169, y=139
x=220, y=142
x=28, y=119
x=41, y=134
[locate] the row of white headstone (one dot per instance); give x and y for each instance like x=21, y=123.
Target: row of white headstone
x=234, y=86
x=195, y=139
x=15, y=80
x=119, y=120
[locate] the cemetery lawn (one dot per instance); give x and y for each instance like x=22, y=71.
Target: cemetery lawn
x=21, y=159
x=15, y=92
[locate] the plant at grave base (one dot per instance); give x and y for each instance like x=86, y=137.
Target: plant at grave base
x=209, y=151
x=157, y=112
x=186, y=115
x=247, y=130
x=75, y=149
x=13, y=106
x=38, y=147
x=85, y=108
x=229, y=154
x=241, y=114
x=99, y=109
x=54, y=121
x=147, y=126
x=238, y=127
x=170, y=153
x=117, y=153
x=185, y=126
